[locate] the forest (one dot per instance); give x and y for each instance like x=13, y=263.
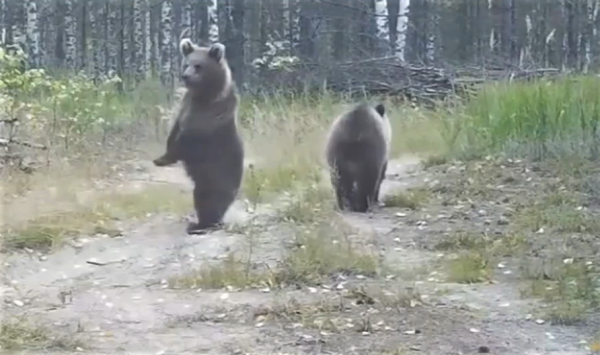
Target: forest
x=484, y=239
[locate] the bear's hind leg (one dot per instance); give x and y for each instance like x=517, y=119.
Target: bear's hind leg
x=210, y=208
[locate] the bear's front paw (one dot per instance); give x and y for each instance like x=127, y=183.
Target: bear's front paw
x=162, y=161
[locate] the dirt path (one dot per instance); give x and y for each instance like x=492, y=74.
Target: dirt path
x=112, y=294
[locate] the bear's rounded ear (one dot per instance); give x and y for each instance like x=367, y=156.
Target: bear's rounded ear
x=186, y=46
x=217, y=51
x=380, y=109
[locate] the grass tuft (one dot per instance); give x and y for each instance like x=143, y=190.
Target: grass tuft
x=19, y=333
x=231, y=271
x=468, y=268
x=51, y=229
x=321, y=251
x=412, y=199
x=569, y=287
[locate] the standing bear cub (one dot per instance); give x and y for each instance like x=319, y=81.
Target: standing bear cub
x=357, y=151
x=204, y=135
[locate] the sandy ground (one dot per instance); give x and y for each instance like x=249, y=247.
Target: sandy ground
x=124, y=304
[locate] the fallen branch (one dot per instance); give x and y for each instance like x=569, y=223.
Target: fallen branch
x=7, y=142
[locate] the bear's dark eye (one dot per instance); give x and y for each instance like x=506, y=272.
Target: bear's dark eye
x=197, y=67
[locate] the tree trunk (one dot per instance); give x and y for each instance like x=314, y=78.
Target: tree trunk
x=33, y=35
x=166, y=44
x=213, y=21
x=70, y=35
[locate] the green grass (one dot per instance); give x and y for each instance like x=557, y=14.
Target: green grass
x=540, y=119
x=468, y=267
x=50, y=229
x=19, y=333
x=412, y=199
x=570, y=290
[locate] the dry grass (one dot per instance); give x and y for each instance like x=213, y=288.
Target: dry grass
x=94, y=217
x=321, y=249
x=20, y=333
x=412, y=199
x=569, y=288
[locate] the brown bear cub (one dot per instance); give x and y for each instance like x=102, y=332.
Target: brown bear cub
x=357, y=151
x=204, y=135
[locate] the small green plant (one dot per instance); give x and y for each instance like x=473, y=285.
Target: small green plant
x=412, y=198
x=569, y=287
x=323, y=249
x=502, y=245
x=468, y=267
x=230, y=271
x=19, y=333
x=311, y=205
x=563, y=218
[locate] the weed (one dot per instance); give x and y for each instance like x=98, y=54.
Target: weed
x=434, y=160
x=19, y=333
x=539, y=118
x=230, y=271
x=503, y=245
x=311, y=205
x=261, y=182
x=570, y=288
x=412, y=198
x=468, y=267
x=51, y=229
x=321, y=250
x=322, y=315
x=562, y=218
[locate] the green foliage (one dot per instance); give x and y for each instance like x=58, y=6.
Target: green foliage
x=78, y=106
x=63, y=109
x=541, y=118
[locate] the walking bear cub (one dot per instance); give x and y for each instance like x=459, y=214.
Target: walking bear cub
x=204, y=135
x=357, y=151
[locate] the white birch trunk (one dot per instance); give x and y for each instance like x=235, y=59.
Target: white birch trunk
x=381, y=21
x=213, y=21
x=401, y=28
x=19, y=24
x=138, y=39
x=111, y=38
x=295, y=24
x=148, y=40
x=33, y=35
x=166, y=28
x=186, y=17
x=592, y=13
x=70, y=39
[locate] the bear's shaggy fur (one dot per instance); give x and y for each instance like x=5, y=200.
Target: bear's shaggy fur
x=204, y=135
x=357, y=149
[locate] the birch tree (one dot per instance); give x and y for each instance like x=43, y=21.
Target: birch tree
x=97, y=15
x=18, y=22
x=3, y=13
x=166, y=36
x=401, y=26
x=381, y=19
x=70, y=32
x=213, y=20
x=33, y=35
x=589, y=35
x=111, y=38
x=139, y=57
x=147, y=39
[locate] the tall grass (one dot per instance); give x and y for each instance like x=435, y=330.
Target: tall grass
x=539, y=119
